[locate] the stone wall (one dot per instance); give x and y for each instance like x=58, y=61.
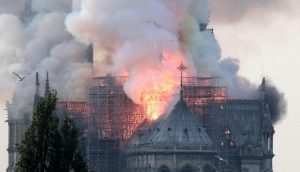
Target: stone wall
x=174, y=162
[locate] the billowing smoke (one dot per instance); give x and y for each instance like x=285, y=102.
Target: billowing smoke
x=276, y=101
x=33, y=39
x=12, y=6
x=42, y=6
x=138, y=38
x=143, y=39
x=235, y=10
x=147, y=39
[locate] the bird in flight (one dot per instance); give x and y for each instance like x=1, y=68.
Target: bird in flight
x=20, y=78
x=222, y=159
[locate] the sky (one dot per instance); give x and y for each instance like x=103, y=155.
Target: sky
x=265, y=36
x=267, y=44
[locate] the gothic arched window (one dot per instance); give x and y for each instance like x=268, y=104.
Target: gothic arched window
x=164, y=169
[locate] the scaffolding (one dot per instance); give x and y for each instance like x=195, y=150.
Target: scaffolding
x=118, y=117
x=79, y=111
x=201, y=95
x=104, y=155
x=112, y=118
x=112, y=121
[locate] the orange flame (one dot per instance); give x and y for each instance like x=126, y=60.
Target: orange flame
x=157, y=98
x=156, y=87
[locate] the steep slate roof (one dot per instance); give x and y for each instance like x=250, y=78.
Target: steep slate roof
x=180, y=127
x=244, y=119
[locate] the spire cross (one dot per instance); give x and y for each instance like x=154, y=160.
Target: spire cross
x=181, y=68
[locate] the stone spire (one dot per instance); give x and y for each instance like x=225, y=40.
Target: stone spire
x=263, y=90
x=47, y=86
x=267, y=130
x=37, y=89
x=181, y=68
x=265, y=105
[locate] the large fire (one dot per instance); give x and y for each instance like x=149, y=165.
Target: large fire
x=157, y=99
x=108, y=107
x=157, y=86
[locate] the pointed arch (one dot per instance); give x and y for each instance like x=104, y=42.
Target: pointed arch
x=164, y=169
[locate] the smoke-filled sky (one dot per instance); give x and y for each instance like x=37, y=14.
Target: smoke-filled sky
x=231, y=11
x=56, y=34
x=265, y=37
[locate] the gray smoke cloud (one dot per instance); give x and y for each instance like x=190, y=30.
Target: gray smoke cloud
x=39, y=44
x=51, y=6
x=276, y=100
x=238, y=86
x=234, y=10
x=12, y=6
x=128, y=37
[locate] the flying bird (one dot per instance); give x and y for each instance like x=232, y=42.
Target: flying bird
x=222, y=159
x=20, y=78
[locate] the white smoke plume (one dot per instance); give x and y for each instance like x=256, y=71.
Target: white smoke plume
x=128, y=32
x=143, y=39
x=39, y=44
x=128, y=36
x=51, y=6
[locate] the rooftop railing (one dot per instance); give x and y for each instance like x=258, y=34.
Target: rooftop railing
x=169, y=148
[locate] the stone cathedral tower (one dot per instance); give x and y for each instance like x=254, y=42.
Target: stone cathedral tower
x=18, y=124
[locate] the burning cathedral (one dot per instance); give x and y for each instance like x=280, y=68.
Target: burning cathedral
x=141, y=116
x=205, y=130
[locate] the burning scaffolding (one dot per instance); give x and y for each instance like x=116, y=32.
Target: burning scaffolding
x=119, y=117
x=79, y=111
x=109, y=118
x=202, y=95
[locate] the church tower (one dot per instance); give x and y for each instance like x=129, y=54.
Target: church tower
x=37, y=90
x=18, y=123
x=267, y=131
x=47, y=85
